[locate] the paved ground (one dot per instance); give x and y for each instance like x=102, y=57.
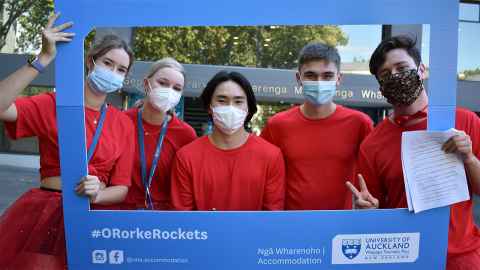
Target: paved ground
x=14, y=181
x=21, y=174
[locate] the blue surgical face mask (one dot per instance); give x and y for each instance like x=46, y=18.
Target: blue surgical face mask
x=319, y=92
x=104, y=81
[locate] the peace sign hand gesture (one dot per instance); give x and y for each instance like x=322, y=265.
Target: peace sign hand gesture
x=362, y=199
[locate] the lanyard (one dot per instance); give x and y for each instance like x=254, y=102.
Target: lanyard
x=143, y=162
x=98, y=132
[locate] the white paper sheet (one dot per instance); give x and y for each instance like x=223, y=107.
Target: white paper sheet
x=432, y=177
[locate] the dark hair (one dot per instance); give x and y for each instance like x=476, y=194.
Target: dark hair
x=316, y=51
x=395, y=42
x=107, y=43
x=224, y=76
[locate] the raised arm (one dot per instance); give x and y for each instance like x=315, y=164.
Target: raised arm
x=13, y=85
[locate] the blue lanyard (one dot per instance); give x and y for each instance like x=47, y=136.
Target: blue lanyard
x=98, y=132
x=143, y=162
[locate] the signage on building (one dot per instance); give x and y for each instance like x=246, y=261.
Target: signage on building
x=269, y=85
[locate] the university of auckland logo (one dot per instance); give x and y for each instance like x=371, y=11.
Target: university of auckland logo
x=351, y=247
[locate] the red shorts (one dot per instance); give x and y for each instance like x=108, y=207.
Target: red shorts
x=32, y=232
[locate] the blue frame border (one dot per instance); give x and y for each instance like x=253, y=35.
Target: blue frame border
x=441, y=15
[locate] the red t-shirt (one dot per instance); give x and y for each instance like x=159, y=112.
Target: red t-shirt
x=320, y=155
x=250, y=177
x=178, y=134
x=381, y=166
x=112, y=159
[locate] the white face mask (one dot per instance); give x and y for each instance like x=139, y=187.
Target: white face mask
x=228, y=118
x=319, y=92
x=164, y=98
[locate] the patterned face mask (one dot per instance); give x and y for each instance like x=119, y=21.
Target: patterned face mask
x=401, y=89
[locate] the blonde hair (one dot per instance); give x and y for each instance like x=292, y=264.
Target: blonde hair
x=167, y=62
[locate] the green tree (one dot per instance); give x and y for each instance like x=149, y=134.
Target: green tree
x=261, y=46
x=13, y=9
x=195, y=45
x=280, y=44
x=472, y=72
x=31, y=24
x=30, y=16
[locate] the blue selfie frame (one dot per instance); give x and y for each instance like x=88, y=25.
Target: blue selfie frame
x=240, y=240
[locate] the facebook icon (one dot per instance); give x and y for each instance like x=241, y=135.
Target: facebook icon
x=115, y=257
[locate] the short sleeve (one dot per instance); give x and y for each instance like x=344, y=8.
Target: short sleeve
x=274, y=196
x=267, y=133
x=33, y=114
x=182, y=186
x=122, y=170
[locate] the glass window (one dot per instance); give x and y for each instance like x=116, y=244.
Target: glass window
x=468, y=54
x=362, y=41
x=468, y=40
x=426, y=44
x=469, y=12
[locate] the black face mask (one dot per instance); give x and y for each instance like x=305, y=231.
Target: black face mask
x=401, y=89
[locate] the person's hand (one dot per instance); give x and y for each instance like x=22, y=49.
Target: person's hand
x=460, y=144
x=90, y=186
x=362, y=199
x=139, y=103
x=50, y=36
